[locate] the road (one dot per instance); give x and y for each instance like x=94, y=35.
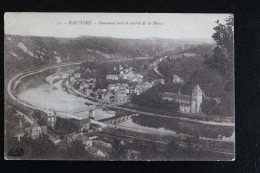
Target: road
x=156, y=70
x=26, y=117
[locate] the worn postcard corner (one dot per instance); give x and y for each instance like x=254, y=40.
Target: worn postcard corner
x=119, y=86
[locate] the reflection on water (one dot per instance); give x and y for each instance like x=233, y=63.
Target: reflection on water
x=130, y=125
x=44, y=96
x=101, y=114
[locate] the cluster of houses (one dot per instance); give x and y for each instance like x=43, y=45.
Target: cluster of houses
x=86, y=86
x=124, y=73
x=123, y=83
x=95, y=147
x=31, y=129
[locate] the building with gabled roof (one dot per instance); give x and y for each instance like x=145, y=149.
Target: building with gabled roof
x=176, y=79
x=188, y=104
x=112, y=77
x=94, y=151
x=35, y=131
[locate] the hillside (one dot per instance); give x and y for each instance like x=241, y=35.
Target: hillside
x=23, y=52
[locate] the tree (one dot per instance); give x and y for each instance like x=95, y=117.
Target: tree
x=224, y=34
x=173, y=150
x=222, y=61
x=41, y=147
x=151, y=99
x=217, y=61
x=222, y=58
x=118, y=150
x=77, y=151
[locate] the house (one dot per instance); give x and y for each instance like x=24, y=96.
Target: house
x=132, y=154
x=81, y=137
x=50, y=117
x=122, y=89
x=111, y=87
x=121, y=98
x=94, y=151
x=112, y=77
x=137, y=78
x=147, y=85
x=83, y=85
x=120, y=67
x=138, y=91
x=75, y=136
x=44, y=129
x=142, y=87
x=131, y=89
x=158, y=81
x=121, y=74
x=103, y=146
x=126, y=70
x=70, y=138
x=176, y=79
x=188, y=104
x=129, y=75
x=76, y=75
x=88, y=143
x=35, y=131
x=71, y=79
x=89, y=80
x=87, y=91
x=107, y=96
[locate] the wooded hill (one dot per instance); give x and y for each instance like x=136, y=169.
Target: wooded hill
x=22, y=52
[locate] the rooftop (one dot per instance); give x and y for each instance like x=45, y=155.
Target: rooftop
x=197, y=89
x=176, y=96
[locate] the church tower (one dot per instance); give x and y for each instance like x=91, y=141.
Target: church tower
x=196, y=100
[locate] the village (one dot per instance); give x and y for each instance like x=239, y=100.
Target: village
x=122, y=81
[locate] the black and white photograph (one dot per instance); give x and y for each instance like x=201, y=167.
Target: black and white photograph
x=119, y=86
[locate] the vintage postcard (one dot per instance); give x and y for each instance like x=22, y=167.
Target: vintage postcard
x=119, y=86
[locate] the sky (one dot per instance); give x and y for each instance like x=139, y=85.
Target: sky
x=122, y=25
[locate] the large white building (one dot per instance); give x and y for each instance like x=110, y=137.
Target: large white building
x=188, y=104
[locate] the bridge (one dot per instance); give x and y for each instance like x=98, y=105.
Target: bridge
x=87, y=108
x=117, y=120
